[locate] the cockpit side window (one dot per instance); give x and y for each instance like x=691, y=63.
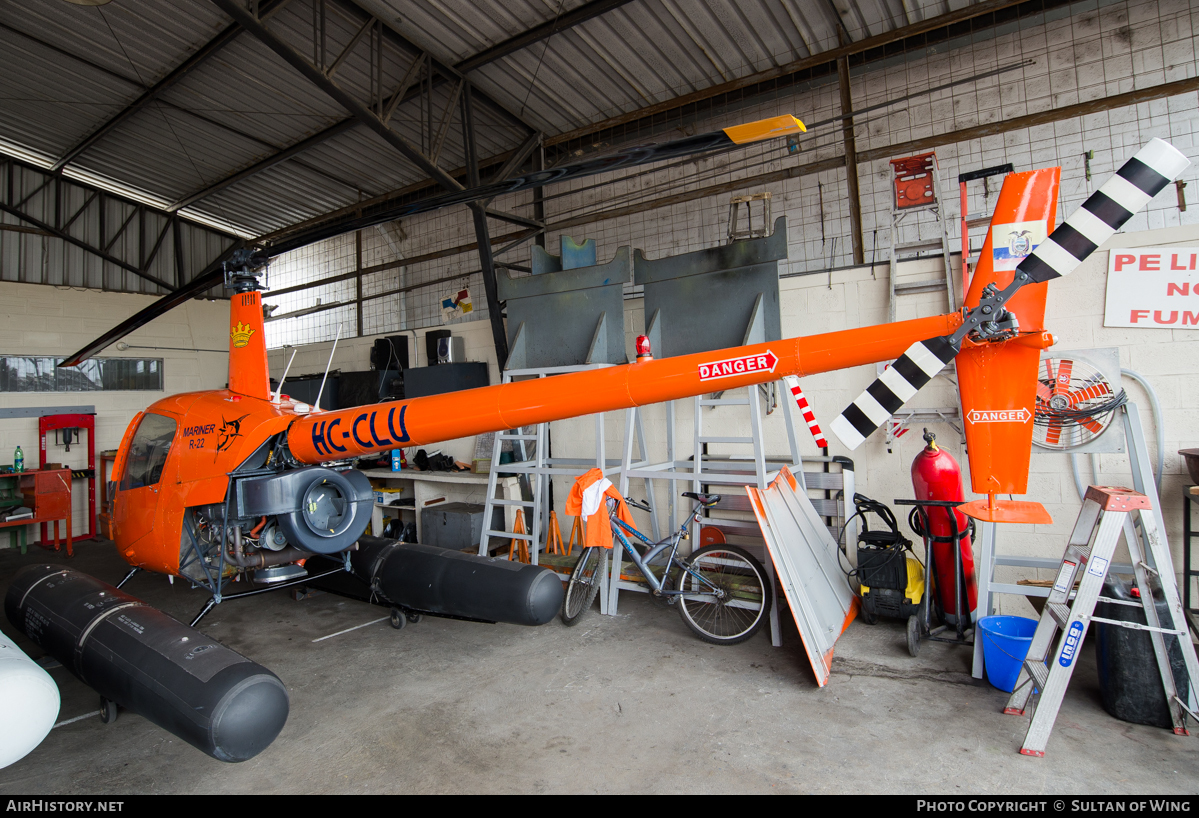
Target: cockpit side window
x=148, y=452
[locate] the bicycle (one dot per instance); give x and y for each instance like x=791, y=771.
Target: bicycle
x=722, y=593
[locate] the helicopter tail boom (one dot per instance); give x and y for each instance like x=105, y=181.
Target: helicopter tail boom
x=339, y=435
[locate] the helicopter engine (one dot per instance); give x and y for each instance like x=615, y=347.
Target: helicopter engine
x=278, y=518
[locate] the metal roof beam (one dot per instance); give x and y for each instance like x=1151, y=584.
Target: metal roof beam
x=216, y=123
x=264, y=164
x=517, y=158
x=317, y=77
x=157, y=89
x=538, y=33
x=80, y=243
x=447, y=71
x=585, y=12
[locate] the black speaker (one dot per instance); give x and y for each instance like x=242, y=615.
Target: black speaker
x=390, y=352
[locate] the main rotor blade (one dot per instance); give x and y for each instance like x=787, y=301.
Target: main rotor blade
x=708, y=143
x=208, y=278
x=1136, y=182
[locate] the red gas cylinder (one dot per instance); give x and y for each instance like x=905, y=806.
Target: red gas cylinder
x=936, y=476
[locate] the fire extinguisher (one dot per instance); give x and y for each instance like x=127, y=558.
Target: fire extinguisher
x=936, y=476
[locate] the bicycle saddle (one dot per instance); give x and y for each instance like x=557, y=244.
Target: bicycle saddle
x=706, y=500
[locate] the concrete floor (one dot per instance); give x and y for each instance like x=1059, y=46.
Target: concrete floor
x=633, y=703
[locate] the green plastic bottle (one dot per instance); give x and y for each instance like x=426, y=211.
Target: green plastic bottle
x=18, y=460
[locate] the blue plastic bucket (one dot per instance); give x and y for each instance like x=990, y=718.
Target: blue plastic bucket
x=1005, y=644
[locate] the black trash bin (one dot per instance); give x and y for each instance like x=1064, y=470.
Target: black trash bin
x=1129, y=681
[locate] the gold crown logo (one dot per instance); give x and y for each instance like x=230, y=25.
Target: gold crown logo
x=241, y=335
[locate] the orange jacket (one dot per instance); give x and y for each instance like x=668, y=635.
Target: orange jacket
x=591, y=505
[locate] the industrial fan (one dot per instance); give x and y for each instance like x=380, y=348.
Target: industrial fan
x=1077, y=399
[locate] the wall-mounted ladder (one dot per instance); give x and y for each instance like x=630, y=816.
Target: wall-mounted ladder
x=915, y=197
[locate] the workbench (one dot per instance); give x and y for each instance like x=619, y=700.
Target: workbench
x=430, y=488
x=47, y=492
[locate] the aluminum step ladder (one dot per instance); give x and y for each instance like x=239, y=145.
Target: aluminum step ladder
x=704, y=471
x=531, y=467
x=1106, y=513
x=533, y=464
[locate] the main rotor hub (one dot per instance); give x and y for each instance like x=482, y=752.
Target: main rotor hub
x=245, y=271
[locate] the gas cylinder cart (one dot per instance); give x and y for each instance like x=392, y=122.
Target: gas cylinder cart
x=957, y=625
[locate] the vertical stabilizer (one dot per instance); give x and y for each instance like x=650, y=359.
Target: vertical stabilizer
x=998, y=381
x=247, y=346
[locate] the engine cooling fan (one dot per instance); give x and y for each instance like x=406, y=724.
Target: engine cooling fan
x=1075, y=404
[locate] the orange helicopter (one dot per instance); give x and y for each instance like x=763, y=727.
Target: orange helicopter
x=216, y=483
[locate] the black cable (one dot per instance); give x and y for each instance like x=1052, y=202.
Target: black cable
x=1097, y=413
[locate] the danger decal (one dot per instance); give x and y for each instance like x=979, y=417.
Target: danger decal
x=743, y=365
x=1021, y=415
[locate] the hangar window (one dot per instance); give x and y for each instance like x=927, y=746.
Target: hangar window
x=29, y=373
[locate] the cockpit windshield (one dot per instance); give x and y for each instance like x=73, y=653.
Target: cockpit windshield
x=148, y=451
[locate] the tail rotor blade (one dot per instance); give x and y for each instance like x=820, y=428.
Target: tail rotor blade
x=1136, y=182
x=895, y=387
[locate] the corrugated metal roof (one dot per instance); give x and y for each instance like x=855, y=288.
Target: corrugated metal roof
x=72, y=68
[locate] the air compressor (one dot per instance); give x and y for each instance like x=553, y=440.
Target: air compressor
x=936, y=476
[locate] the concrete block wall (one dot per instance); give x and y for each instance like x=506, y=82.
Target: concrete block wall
x=41, y=320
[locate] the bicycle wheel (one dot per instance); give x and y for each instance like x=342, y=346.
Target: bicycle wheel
x=737, y=614
x=583, y=586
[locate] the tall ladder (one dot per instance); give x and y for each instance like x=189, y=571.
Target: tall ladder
x=983, y=220
x=916, y=191
x=530, y=445
x=1106, y=513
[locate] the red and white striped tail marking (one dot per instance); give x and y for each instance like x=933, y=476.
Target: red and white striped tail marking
x=802, y=402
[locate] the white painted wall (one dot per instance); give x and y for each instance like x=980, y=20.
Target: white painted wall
x=43, y=320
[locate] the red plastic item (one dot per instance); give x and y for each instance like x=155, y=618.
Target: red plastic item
x=936, y=476
x=913, y=182
x=644, y=353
